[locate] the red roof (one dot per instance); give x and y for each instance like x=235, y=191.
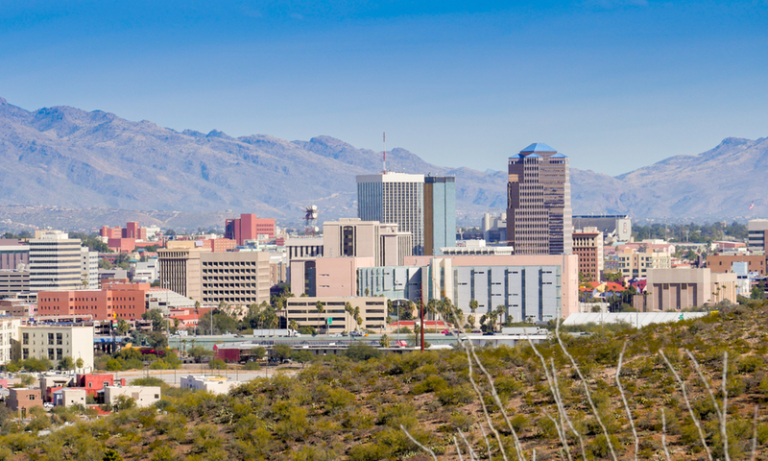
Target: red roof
x=613, y=287
x=186, y=317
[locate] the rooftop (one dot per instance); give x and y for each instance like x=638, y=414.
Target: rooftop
x=538, y=147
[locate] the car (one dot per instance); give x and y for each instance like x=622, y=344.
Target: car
x=489, y=333
x=356, y=333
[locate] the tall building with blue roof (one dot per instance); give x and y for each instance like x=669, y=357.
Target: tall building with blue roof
x=539, y=202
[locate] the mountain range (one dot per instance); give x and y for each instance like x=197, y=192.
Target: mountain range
x=73, y=159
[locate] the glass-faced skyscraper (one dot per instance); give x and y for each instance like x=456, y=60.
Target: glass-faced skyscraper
x=423, y=206
x=539, y=202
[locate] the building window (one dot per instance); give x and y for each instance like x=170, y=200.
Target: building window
x=51, y=354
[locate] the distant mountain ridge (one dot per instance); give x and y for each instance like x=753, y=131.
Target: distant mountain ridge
x=70, y=158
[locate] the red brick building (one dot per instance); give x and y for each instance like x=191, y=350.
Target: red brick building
x=248, y=227
x=123, y=240
x=721, y=264
x=117, y=299
x=220, y=245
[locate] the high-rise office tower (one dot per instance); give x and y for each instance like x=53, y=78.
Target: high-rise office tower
x=54, y=262
x=396, y=198
x=539, y=202
x=439, y=213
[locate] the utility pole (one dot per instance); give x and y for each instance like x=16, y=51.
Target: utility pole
x=421, y=318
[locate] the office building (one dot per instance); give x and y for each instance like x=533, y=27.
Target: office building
x=117, y=300
x=494, y=228
x=439, y=213
x=304, y=247
x=366, y=239
x=335, y=318
x=55, y=342
x=55, y=262
x=476, y=247
x=539, y=202
x=236, y=278
x=327, y=277
x=13, y=254
x=13, y=282
x=248, y=227
x=758, y=234
x=722, y=264
x=181, y=270
x=677, y=289
x=89, y=267
x=588, y=245
x=531, y=288
x=394, y=198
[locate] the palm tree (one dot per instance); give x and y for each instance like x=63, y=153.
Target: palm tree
x=473, y=305
x=320, y=309
x=293, y=325
x=184, y=346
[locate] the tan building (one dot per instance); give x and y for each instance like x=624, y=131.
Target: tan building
x=721, y=264
x=54, y=342
x=373, y=313
x=758, y=234
x=366, y=239
x=237, y=278
x=676, y=289
x=9, y=336
x=588, y=245
x=326, y=277
x=23, y=399
x=181, y=269
x=13, y=282
x=637, y=263
x=539, y=202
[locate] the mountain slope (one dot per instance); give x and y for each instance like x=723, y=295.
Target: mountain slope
x=66, y=157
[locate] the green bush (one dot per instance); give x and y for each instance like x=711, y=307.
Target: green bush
x=252, y=366
x=361, y=352
x=217, y=364
x=432, y=383
x=455, y=395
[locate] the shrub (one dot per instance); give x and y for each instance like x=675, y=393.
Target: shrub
x=252, y=366
x=362, y=352
x=433, y=383
x=455, y=395
x=367, y=452
x=749, y=364
x=217, y=364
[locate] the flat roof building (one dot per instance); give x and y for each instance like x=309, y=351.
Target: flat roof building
x=55, y=262
x=54, y=342
x=335, y=318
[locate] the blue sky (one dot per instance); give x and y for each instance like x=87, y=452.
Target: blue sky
x=614, y=84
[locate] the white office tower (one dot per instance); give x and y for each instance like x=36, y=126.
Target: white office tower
x=55, y=262
x=396, y=198
x=89, y=268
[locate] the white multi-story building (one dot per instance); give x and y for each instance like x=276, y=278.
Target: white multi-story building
x=55, y=262
x=212, y=384
x=144, y=396
x=90, y=268
x=147, y=271
x=9, y=333
x=394, y=198
x=758, y=231
x=54, y=342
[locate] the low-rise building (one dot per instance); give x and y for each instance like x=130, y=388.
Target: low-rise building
x=144, y=396
x=23, y=400
x=677, y=289
x=56, y=341
x=69, y=396
x=16, y=307
x=118, y=299
x=636, y=263
x=335, y=318
x=13, y=282
x=212, y=384
x=721, y=264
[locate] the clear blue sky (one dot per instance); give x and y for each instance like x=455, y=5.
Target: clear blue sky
x=614, y=84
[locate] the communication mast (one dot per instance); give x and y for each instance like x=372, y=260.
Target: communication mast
x=310, y=216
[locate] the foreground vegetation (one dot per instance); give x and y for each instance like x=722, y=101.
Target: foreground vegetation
x=368, y=407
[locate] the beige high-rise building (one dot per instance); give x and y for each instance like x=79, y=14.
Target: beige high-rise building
x=539, y=202
x=236, y=278
x=676, y=289
x=366, y=239
x=55, y=262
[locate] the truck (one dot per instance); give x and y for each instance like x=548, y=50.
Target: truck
x=274, y=333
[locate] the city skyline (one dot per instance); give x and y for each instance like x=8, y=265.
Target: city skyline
x=458, y=84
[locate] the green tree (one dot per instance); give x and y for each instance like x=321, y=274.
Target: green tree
x=217, y=364
x=156, y=317
x=258, y=352
x=26, y=380
x=282, y=352
x=384, y=341
x=66, y=363
x=123, y=327
x=157, y=340
x=79, y=363
x=198, y=352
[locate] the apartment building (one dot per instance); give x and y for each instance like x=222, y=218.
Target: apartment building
x=89, y=268
x=634, y=263
x=55, y=262
x=588, y=245
x=335, y=318
x=539, y=202
x=9, y=334
x=54, y=342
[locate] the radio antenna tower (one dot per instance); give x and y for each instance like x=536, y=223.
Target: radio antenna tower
x=384, y=163
x=310, y=217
